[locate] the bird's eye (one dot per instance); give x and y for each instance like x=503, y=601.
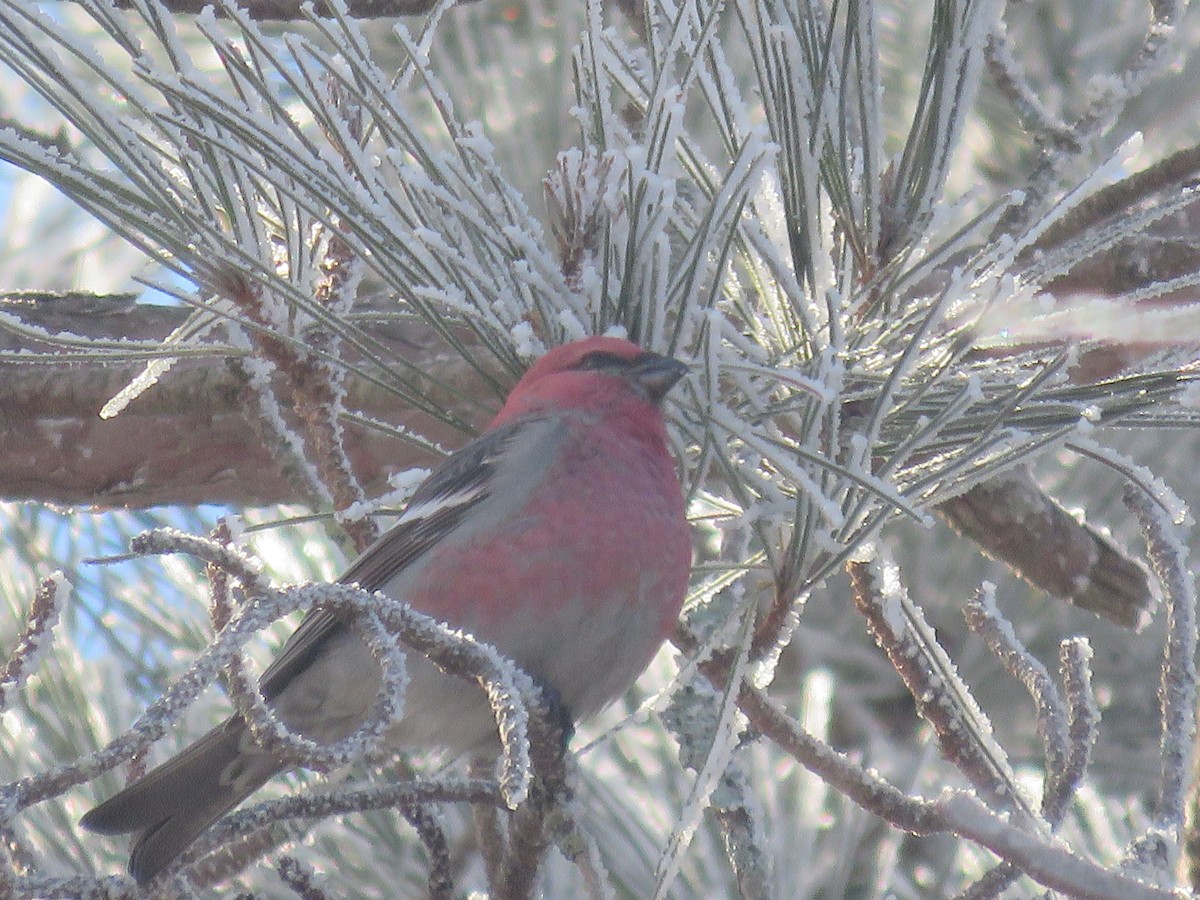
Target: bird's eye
x=600, y=359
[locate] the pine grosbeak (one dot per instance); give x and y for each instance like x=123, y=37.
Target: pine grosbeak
x=558, y=536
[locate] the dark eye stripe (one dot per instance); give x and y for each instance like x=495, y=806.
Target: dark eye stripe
x=601, y=359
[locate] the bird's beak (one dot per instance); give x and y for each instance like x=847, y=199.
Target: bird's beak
x=656, y=374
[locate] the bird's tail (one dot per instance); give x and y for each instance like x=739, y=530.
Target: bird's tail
x=174, y=803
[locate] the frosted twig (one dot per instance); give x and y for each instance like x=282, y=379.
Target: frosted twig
x=986, y=620
x=43, y=615
x=1067, y=730
x=1048, y=863
x=704, y=719
x=1013, y=83
x=528, y=841
x=454, y=651
x=319, y=389
x=261, y=817
x=1177, y=692
x=300, y=878
x=837, y=301
x=553, y=787
x=991, y=884
x=76, y=887
x=1152, y=58
x=489, y=836
x=942, y=698
x=229, y=860
x=429, y=829
x=273, y=367
x=225, y=556
x=510, y=692
x=220, y=604
x=270, y=732
x=836, y=769
x=16, y=856
x=1153, y=487
x=1083, y=722
x=574, y=843
x=1111, y=93
x=246, y=622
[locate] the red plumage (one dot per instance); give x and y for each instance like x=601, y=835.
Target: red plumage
x=558, y=536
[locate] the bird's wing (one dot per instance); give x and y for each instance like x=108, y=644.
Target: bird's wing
x=437, y=507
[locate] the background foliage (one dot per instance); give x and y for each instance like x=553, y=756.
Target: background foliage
x=908, y=252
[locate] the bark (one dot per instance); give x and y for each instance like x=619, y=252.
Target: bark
x=1012, y=519
x=189, y=439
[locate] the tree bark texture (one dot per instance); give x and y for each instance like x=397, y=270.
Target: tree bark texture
x=190, y=438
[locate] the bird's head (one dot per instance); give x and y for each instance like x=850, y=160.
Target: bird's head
x=592, y=373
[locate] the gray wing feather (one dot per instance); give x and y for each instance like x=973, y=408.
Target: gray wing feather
x=465, y=474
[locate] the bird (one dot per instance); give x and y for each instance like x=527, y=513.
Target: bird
x=558, y=535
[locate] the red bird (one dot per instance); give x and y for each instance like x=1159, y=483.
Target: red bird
x=558, y=536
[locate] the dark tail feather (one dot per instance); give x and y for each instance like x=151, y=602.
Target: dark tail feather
x=174, y=803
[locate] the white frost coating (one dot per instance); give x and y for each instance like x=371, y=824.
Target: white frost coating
x=1190, y=396
x=1108, y=172
x=943, y=683
x=587, y=285
x=985, y=599
x=763, y=674
x=525, y=342
x=357, y=511
x=1091, y=317
x=864, y=552
x=1085, y=653
x=506, y=692
x=1163, y=495
x=388, y=706
x=829, y=508
x=261, y=372
x=892, y=593
x=572, y=327
x=1177, y=692
x=236, y=526
x=451, y=297
x=407, y=480
x=539, y=273
x=37, y=638
x=148, y=378
x=769, y=314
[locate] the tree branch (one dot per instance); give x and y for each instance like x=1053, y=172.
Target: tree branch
x=190, y=439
